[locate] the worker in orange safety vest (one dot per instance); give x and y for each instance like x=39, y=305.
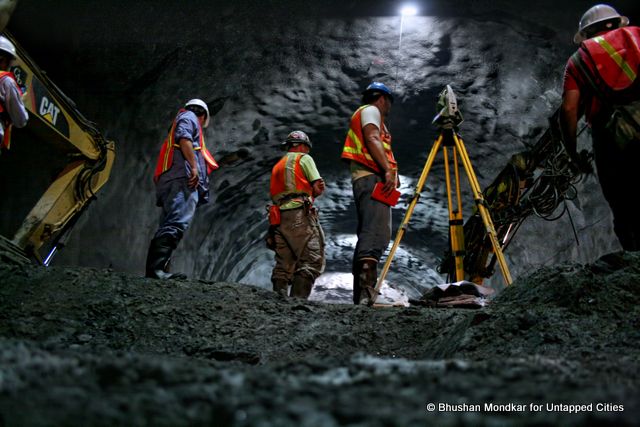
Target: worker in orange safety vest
x=601, y=82
x=295, y=233
x=367, y=148
x=182, y=184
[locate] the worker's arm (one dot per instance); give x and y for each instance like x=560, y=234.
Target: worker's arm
x=569, y=114
x=186, y=147
x=311, y=173
x=318, y=187
x=374, y=145
x=13, y=104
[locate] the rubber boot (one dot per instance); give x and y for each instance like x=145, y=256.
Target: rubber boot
x=280, y=286
x=301, y=286
x=160, y=250
x=367, y=277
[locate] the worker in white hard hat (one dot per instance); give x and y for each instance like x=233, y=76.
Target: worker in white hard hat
x=182, y=184
x=295, y=233
x=601, y=82
x=12, y=109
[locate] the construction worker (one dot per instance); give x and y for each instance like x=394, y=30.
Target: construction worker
x=601, y=81
x=367, y=148
x=182, y=184
x=12, y=110
x=295, y=233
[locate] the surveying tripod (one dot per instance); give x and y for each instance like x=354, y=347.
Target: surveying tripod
x=448, y=120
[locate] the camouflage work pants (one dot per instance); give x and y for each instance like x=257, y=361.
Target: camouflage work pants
x=299, y=245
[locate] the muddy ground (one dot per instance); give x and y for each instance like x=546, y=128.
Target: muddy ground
x=98, y=348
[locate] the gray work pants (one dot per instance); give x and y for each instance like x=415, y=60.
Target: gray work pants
x=374, y=220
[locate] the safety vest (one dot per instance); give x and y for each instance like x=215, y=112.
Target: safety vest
x=288, y=178
x=615, y=57
x=6, y=140
x=165, y=159
x=355, y=148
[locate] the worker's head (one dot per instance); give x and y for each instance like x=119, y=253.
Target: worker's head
x=200, y=109
x=379, y=94
x=297, y=141
x=7, y=53
x=599, y=18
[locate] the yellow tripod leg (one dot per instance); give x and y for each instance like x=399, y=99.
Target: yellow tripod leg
x=456, y=233
x=484, y=213
x=407, y=216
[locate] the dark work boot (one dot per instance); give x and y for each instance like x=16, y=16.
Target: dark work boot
x=301, y=286
x=160, y=250
x=367, y=277
x=280, y=286
x=356, y=282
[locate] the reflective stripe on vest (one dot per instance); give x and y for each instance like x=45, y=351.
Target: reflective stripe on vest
x=6, y=140
x=288, y=178
x=616, y=55
x=355, y=148
x=165, y=159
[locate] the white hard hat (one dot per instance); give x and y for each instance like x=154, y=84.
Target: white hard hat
x=202, y=104
x=7, y=46
x=598, y=13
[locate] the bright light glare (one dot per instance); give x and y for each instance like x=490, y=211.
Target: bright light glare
x=408, y=11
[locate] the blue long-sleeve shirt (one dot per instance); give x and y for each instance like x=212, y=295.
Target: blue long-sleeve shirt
x=187, y=127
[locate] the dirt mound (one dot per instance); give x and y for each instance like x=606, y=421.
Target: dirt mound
x=94, y=347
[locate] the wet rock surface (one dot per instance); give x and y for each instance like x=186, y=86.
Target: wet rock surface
x=96, y=347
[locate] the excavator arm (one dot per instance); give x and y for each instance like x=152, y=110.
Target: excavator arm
x=54, y=119
x=534, y=182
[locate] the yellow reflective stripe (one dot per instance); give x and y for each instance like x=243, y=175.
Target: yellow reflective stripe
x=351, y=150
x=352, y=135
x=613, y=53
x=386, y=146
x=290, y=173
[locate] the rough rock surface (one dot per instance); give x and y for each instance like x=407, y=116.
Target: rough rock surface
x=94, y=347
x=269, y=67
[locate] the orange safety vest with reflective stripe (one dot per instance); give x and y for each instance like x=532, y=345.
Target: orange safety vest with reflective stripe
x=165, y=159
x=6, y=140
x=614, y=57
x=288, y=178
x=355, y=148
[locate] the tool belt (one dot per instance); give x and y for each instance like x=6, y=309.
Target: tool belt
x=274, y=210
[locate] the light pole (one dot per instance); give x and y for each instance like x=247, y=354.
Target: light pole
x=406, y=10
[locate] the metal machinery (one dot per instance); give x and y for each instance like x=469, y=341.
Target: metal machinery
x=55, y=121
x=535, y=182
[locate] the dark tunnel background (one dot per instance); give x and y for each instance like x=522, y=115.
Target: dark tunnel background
x=270, y=67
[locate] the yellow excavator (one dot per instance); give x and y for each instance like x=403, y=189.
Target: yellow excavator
x=56, y=124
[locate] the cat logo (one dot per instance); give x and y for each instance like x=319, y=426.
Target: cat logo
x=48, y=110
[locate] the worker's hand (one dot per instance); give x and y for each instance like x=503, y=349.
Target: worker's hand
x=193, y=179
x=581, y=162
x=584, y=160
x=390, y=181
x=318, y=187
